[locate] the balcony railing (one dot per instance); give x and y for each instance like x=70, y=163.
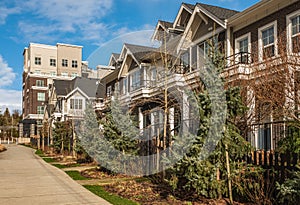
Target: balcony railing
x=239, y=58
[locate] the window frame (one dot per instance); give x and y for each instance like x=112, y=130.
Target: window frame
x=64, y=74
x=39, y=83
x=74, y=75
x=64, y=62
x=74, y=64
x=261, y=47
x=135, y=80
x=76, y=104
x=37, y=60
x=52, y=62
x=40, y=110
x=289, y=31
x=41, y=97
x=237, y=46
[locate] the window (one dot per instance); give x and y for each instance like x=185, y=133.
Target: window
x=64, y=62
x=53, y=73
x=37, y=61
x=74, y=64
x=242, y=49
x=73, y=75
x=40, y=109
x=267, y=41
x=76, y=104
x=52, y=62
x=64, y=74
x=123, y=86
x=185, y=59
x=41, y=97
x=136, y=80
x=39, y=83
x=109, y=91
x=293, y=31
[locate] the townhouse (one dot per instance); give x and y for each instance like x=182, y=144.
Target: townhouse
x=251, y=44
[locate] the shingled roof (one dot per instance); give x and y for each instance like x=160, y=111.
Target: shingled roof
x=116, y=55
x=190, y=6
x=139, y=51
x=221, y=13
x=87, y=85
x=166, y=24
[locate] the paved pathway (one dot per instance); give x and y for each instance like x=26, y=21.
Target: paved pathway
x=26, y=179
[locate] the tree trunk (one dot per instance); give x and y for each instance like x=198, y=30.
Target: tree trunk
x=228, y=175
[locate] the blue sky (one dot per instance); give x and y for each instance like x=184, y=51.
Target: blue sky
x=90, y=23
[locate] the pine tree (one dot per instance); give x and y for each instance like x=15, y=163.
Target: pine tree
x=112, y=144
x=209, y=174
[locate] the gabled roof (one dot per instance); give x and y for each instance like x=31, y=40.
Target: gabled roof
x=87, y=85
x=113, y=58
x=219, y=12
x=190, y=6
x=115, y=55
x=137, y=52
x=166, y=24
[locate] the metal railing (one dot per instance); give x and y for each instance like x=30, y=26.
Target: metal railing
x=239, y=58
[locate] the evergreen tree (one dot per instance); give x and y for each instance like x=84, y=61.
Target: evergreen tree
x=210, y=174
x=62, y=134
x=112, y=144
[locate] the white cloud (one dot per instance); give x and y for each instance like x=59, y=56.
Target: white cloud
x=7, y=76
x=11, y=99
x=5, y=12
x=81, y=18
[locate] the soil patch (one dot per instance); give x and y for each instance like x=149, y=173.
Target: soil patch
x=2, y=148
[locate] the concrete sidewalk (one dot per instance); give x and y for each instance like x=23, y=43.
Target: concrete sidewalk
x=26, y=179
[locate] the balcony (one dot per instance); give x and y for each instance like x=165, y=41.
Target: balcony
x=238, y=66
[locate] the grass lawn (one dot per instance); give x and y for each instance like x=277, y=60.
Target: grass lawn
x=61, y=166
x=76, y=175
x=40, y=153
x=48, y=159
x=112, y=198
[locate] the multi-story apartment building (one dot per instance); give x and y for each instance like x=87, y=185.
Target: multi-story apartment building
x=42, y=64
x=252, y=43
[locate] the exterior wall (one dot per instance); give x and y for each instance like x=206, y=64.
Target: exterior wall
x=30, y=90
x=279, y=16
x=69, y=53
x=45, y=52
x=45, y=72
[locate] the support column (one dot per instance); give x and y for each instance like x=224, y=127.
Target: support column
x=172, y=120
x=141, y=120
x=185, y=114
x=152, y=120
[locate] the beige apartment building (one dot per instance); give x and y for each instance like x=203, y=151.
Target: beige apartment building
x=43, y=64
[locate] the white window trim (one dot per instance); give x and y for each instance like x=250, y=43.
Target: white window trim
x=289, y=29
x=39, y=95
x=260, y=43
x=237, y=45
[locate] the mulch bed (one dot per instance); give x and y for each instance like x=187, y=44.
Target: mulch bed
x=2, y=148
x=143, y=191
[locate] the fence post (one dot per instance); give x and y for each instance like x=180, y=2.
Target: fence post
x=276, y=160
x=282, y=162
x=260, y=159
x=266, y=160
x=255, y=157
x=295, y=160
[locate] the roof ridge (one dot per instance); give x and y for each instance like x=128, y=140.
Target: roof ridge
x=217, y=7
